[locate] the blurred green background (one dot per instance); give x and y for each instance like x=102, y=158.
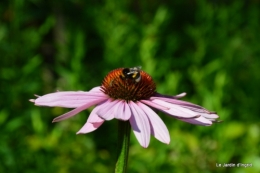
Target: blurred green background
x=209, y=49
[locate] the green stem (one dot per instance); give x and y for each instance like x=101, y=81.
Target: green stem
x=123, y=146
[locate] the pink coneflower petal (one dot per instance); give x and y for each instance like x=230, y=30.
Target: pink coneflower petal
x=213, y=120
x=93, y=117
x=158, y=128
x=112, y=112
x=179, y=95
x=123, y=112
x=177, y=102
x=140, y=125
x=75, y=111
x=96, y=89
x=198, y=121
x=154, y=105
x=209, y=116
x=176, y=110
x=171, y=97
x=90, y=126
x=68, y=99
x=199, y=110
x=107, y=110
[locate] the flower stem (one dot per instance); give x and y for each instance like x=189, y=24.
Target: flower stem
x=123, y=146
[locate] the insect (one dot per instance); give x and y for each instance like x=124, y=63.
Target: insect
x=132, y=73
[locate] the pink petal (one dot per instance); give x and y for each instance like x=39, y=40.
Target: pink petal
x=213, y=120
x=96, y=89
x=107, y=110
x=158, y=127
x=90, y=126
x=180, y=95
x=93, y=117
x=177, y=102
x=123, y=111
x=199, y=110
x=69, y=99
x=176, y=110
x=170, y=97
x=209, y=116
x=75, y=111
x=127, y=113
x=140, y=125
x=113, y=111
x=154, y=105
x=198, y=121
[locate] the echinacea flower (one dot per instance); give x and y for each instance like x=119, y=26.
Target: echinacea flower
x=128, y=94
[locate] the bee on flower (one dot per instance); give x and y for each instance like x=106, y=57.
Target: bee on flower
x=128, y=94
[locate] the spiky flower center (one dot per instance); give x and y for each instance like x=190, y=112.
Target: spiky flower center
x=128, y=84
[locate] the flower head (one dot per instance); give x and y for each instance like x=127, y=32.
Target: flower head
x=128, y=94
